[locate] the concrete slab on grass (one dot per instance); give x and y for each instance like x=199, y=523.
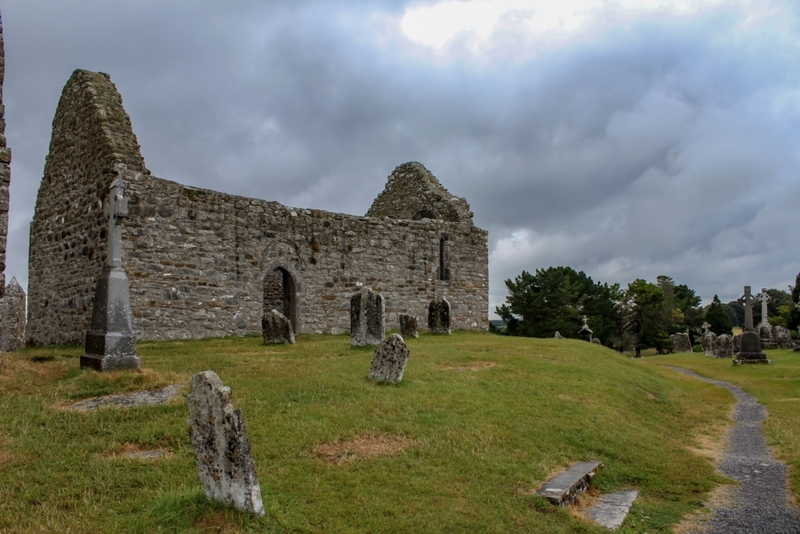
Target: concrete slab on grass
x=562, y=489
x=613, y=509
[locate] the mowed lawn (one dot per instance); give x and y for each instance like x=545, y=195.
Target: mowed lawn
x=478, y=422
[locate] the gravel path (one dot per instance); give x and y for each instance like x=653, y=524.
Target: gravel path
x=761, y=504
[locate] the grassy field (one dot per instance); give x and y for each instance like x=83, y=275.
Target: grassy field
x=776, y=386
x=478, y=423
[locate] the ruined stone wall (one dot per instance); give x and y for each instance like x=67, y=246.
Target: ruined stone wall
x=91, y=136
x=5, y=169
x=198, y=260
x=12, y=317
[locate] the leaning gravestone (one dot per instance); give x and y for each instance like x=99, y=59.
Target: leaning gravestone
x=408, y=326
x=439, y=316
x=110, y=343
x=276, y=328
x=723, y=346
x=749, y=344
x=389, y=361
x=12, y=317
x=681, y=343
x=221, y=448
x=783, y=337
x=367, y=322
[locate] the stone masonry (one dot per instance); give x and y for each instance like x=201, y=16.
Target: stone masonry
x=5, y=170
x=12, y=317
x=203, y=263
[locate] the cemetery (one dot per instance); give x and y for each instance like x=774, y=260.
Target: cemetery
x=194, y=361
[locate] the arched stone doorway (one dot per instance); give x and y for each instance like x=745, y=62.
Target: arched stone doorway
x=280, y=293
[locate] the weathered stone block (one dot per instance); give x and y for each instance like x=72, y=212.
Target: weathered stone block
x=408, y=326
x=723, y=346
x=782, y=337
x=367, y=318
x=389, y=361
x=439, y=316
x=276, y=328
x=681, y=343
x=12, y=317
x=221, y=448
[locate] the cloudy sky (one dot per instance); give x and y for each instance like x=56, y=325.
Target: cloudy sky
x=624, y=138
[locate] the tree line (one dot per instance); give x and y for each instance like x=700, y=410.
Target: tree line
x=643, y=314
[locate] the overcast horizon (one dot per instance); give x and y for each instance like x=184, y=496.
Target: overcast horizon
x=627, y=139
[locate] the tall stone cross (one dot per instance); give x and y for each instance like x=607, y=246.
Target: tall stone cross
x=116, y=209
x=706, y=327
x=764, y=299
x=747, y=299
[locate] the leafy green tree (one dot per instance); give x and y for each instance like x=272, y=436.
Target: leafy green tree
x=735, y=311
x=778, y=307
x=793, y=321
x=647, y=303
x=555, y=300
x=718, y=318
x=682, y=310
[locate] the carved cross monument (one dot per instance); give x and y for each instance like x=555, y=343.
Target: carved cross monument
x=764, y=299
x=750, y=344
x=585, y=332
x=110, y=342
x=706, y=328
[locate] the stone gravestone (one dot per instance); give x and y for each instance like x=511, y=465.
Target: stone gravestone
x=221, y=448
x=12, y=317
x=723, y=346
x=766, y=335
x=585, y=332
x=408, y=326
x=596, y=341
x=737, y=342
x=681, y=343
x=708, y=340
x=389, y=361
x=367, y=322
x=764, y=298
x=558, y=335
x=439, y=316
x=749, y=344
x=110, y=343
x=276, y=328
x=781, y=335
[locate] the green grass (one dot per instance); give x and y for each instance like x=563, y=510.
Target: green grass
x=776, y=386
x=481, y=440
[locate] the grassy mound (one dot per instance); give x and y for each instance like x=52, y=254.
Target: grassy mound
x=478, y=422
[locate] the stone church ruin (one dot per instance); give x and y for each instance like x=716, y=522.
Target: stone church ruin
x=203, y=263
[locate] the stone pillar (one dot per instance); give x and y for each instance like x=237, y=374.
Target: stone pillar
x=110, y=343
x=749, y=343
x=367, y=318
x=12, y=317
x=5, y=170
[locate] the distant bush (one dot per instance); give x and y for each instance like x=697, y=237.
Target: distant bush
x=697, y=348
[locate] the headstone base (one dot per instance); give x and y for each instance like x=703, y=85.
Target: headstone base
x=109, y=363
x=748, y=360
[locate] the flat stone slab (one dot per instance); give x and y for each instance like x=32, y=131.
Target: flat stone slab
x=129, y=400
x=613, y=508
x=563, y=489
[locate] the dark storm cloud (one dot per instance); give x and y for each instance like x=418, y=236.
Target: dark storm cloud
x=659, y=146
